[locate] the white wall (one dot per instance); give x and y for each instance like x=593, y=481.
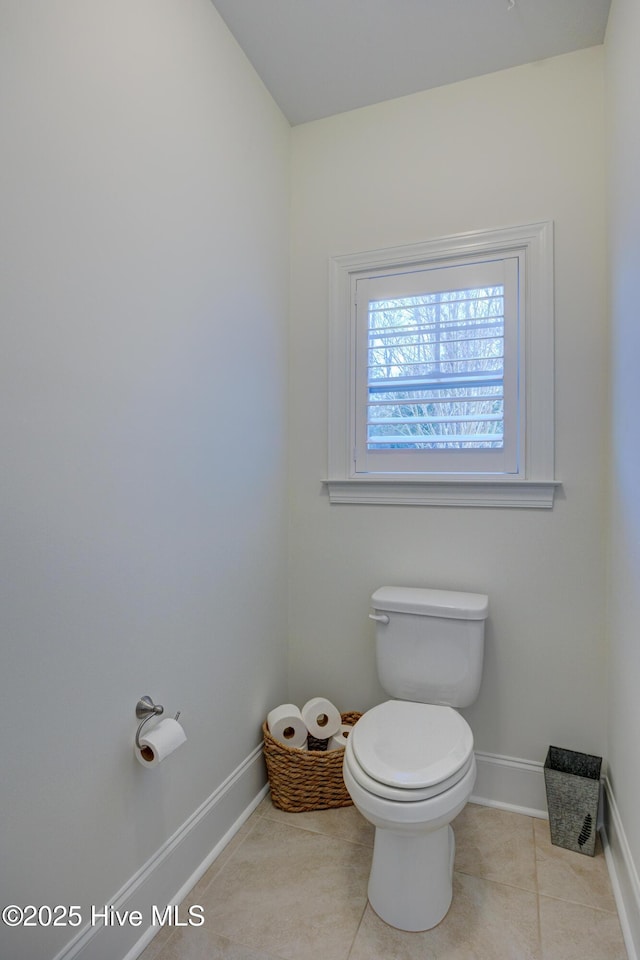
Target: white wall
x=510, y=148
x=623, y=136
x=144, y=260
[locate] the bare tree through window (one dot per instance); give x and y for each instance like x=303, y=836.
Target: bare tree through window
x=436, y=370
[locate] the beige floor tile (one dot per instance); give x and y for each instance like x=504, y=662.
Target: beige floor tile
x=293, y=887
x=202, y=944
x=345, y=823
x=159, y=942
x=571, y=931
x=567, y=875
x=197, y=892
x=290, y=892
x=487, y=921
x=495, y=845
x=264, y=806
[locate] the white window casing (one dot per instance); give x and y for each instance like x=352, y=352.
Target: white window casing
x=441, y=372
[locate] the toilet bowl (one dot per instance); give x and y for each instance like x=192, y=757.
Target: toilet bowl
x=410, y=770
x=408, y=763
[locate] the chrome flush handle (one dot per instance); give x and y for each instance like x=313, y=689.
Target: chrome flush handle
x=379, y=617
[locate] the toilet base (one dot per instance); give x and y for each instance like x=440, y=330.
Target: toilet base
x=411, y=880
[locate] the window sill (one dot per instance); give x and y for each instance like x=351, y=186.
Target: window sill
x=470, y=493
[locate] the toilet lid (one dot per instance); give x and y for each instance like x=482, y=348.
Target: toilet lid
x=401, y=794
x=411, y=745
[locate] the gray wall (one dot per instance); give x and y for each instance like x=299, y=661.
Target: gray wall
x=143, y=299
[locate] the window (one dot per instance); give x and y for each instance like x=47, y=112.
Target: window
x=436, y=370
x=441, y=380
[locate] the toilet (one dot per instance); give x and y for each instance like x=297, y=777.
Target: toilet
x=409, y=764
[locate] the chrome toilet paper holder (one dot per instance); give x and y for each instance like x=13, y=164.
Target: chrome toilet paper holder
x=146, y=709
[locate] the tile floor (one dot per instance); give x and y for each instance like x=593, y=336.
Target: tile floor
x=294, y=887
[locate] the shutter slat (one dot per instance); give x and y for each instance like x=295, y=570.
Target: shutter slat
x=461, y=418
x=454, y=440
x=429, y=301
x=451, y=326
x=487, y=398
x=455, y=381
x=436, y=367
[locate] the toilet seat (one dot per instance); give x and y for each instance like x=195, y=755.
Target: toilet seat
x=400, y=794
x=409, y=751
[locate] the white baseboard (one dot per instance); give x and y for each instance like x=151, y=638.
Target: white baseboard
x=174, y=869
x=510, y=784
x=622, y=870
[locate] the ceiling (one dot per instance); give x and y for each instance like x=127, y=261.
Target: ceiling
x=320, y=57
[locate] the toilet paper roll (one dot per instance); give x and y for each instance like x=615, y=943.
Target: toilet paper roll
x=339, y=740
x=321, y=718
x=286, y=725
x=160, y=742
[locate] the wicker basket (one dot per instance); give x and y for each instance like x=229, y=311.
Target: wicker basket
x=306, y=780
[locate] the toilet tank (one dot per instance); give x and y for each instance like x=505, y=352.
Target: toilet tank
x=430, y=643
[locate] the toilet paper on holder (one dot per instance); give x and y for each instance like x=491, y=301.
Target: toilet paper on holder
x=156, y=745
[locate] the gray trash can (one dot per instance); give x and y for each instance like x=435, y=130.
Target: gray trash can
x=572, y=782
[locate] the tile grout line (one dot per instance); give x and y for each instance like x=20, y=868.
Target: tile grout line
x=360, y=921
x=535, y=877
x=501, y=883
x=579, y=903
x=319, y=833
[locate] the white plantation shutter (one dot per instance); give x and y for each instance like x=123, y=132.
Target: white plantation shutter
x=437, y=383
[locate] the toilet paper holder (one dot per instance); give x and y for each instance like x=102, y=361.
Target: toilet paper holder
x=146, y=709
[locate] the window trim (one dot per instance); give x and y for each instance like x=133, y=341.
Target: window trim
x=535, y=487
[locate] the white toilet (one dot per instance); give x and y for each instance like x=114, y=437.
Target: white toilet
x=409, y=764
